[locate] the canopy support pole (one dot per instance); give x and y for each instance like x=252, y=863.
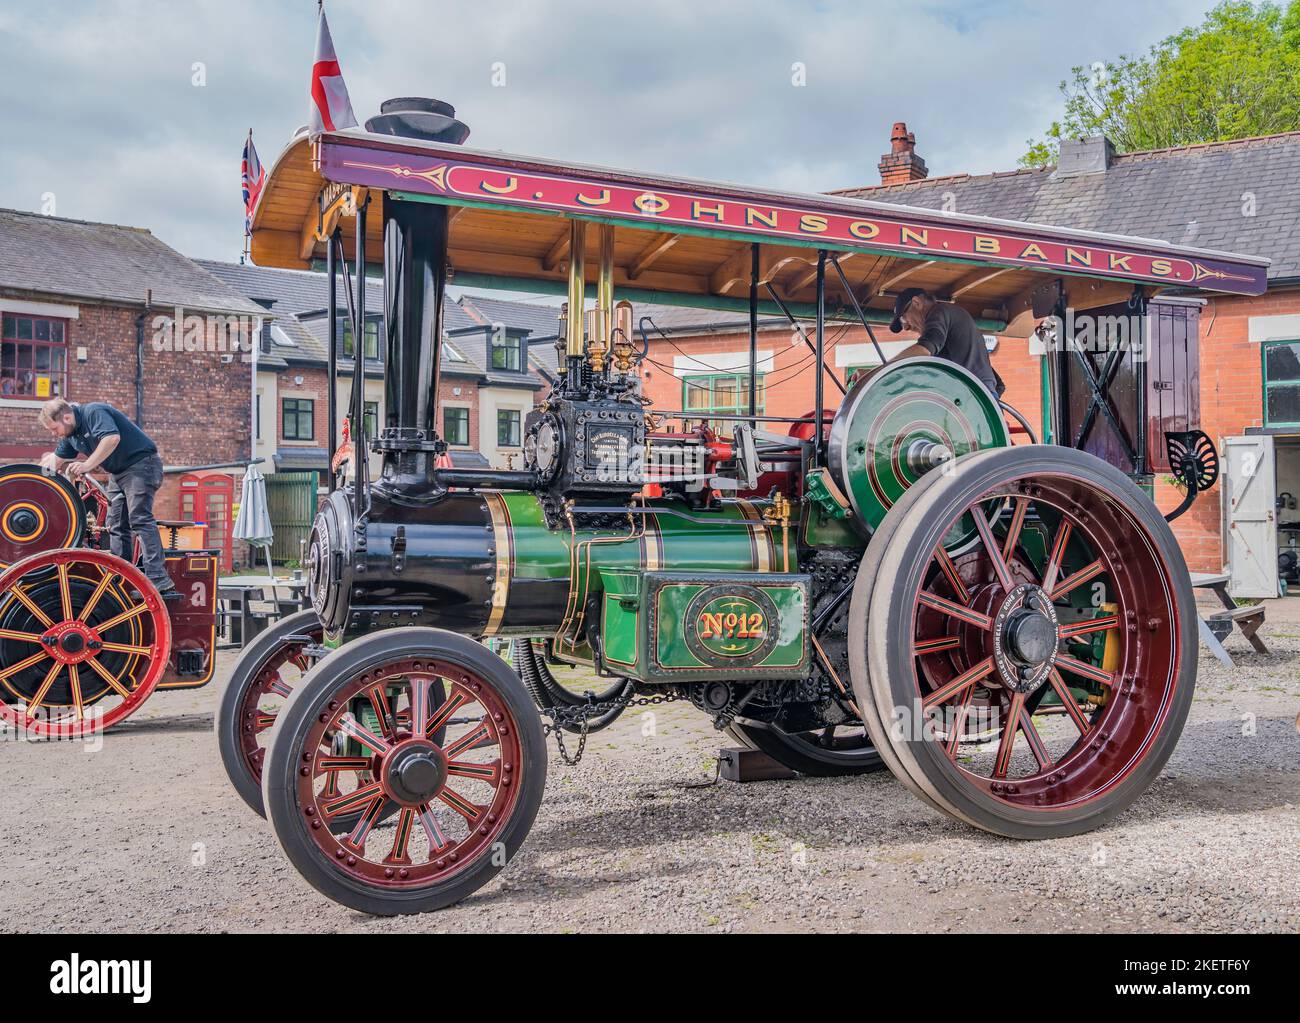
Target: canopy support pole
x=360, y=457
x=753, y=329
x=857, y=308
x=331, y=319
x=795, y=324
x=820, y=388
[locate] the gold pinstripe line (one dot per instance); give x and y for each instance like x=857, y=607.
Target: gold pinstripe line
x=504, y=538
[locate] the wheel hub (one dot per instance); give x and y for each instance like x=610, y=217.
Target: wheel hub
x=1026, y=638
x=23, y=522
x=72, y=642
x=415, y=772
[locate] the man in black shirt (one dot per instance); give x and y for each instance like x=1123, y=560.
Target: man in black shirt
x=110, y=440
x=947, y=331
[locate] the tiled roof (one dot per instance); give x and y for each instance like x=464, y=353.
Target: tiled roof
x=1241, y=196
x=291, y=291
x=107, y=263
x=541, y=321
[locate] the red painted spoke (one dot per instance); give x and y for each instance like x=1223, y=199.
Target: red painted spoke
x=470, y=811
x=106, y=580
x=1058, y=553
x=65, y=592
x=24, y=664
x=369, y=818
x=77, y=699
x=937, y=645
x=992, y=547
x=398, y=855
x=1091, y=625
x=1078, y=579
x=1068, y=701
x=940, y=695
x=127, y=648
x=959, y=721
x=21, y=637
x=104, y=673
x=1008, y=741
x=420, y=705
x=31, y=606
x=490, y=772
x=469, y=740
x=437, y=840
x=354, y=729
x=280, y=687
x=125, y=616
x=950, y=573
x=965, y=614
x=1067, y=663
x=444, y=712
x=1013, y=530
x=343, y=763
x=1035, y=740
x=34, y=704
x=264, y=721
x=353, y=800
x=378, y=697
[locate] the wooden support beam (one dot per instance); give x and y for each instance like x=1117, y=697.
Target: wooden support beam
x=559, y=251
x=810, y=278
x=657, y=247
x=914, y=268
x=771, y=261
x=970, y=282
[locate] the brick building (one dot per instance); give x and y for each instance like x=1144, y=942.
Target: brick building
x=100, y=312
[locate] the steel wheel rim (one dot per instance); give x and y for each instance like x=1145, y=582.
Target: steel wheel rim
x=435, y=838
x=88, y=638
x=1082, y=523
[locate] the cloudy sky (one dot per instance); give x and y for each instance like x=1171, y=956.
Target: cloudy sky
x=135, y=111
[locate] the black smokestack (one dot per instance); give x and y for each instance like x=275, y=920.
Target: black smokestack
x=415, y=282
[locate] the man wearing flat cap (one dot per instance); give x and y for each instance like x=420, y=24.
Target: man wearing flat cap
x=946, y=331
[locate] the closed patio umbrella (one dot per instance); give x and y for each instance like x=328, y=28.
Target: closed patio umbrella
x=253, y=524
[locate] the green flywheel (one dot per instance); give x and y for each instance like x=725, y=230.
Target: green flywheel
x=906, y=419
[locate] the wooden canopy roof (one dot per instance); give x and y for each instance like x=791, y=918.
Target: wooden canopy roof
x=680, y=241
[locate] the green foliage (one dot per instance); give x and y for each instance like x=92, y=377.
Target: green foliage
x=1234, y=76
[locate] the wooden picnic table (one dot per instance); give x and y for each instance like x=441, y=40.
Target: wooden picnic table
x=239, y=592
x=1247, y=619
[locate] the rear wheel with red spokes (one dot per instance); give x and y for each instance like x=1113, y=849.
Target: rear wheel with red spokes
x=261, y=681
x=429, y=745
x=84, y=640
x=1028, y=641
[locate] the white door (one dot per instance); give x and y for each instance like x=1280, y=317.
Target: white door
x=1250, y=504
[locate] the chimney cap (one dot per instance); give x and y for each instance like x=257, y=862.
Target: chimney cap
x=417, y=117
x=1091, y=155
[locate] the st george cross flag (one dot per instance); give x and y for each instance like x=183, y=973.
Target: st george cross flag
x=331, y=110
x=253, y=177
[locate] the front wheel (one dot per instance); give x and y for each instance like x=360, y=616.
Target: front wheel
x=421, y=720
x=1027, y=641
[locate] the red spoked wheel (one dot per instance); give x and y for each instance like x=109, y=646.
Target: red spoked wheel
x=1034, y=679
x=84, y=639
x=39, y=512
x=428, y=744
x=263, y=678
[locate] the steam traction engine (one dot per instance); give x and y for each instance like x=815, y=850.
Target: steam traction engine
x=85, y=638
x=1008, y=629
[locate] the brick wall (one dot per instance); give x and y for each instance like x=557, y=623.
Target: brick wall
x=196, y=408
x=315, y=386
x=468, y=396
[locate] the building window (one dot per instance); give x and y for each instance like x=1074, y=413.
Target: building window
x=33, y=357
x=507, y=351
x=299, y=415
x=1282, y=383
x=257, y=414
x=372, y=339
x=507, y=428
x=371, y=419
x=720, y=393
x=455, y=426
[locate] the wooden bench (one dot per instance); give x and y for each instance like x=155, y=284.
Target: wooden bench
x=1215, y=628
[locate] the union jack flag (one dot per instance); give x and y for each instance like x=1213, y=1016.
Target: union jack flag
x=253, y=177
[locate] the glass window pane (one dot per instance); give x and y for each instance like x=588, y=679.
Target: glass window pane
x=42, y=357
x=24, y=329
x=1283, y=361
x=10, y=326
x=1283, y=403
x=56, y=331
x=42, y=329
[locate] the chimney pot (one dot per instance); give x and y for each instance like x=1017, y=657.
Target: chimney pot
x=901, y=164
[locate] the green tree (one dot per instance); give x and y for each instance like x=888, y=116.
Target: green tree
x=1235, y=75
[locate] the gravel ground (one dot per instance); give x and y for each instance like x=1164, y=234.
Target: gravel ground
x=145, y=835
